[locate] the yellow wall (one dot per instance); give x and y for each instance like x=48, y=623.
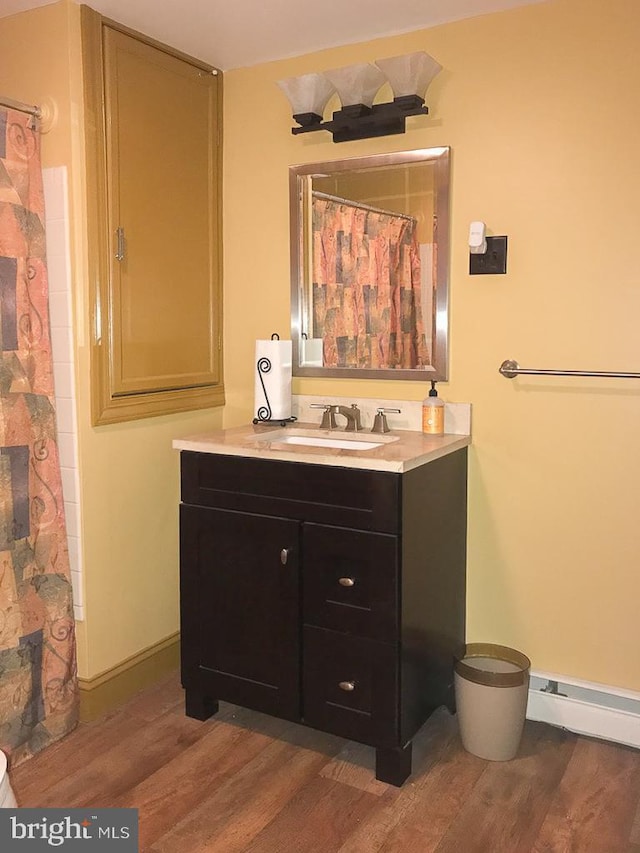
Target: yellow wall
x=539, y=105
x=129, y=473
x=34, y=67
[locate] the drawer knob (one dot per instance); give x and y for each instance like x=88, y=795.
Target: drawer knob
x=347, y=685
x=346, y=582
x=284, y=556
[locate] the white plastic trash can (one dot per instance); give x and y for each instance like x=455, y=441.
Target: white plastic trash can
x=7, y=799
x=492, y=686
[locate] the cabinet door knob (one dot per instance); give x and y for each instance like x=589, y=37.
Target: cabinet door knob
x=284, y=556
x=346, y=582
x=347, y=685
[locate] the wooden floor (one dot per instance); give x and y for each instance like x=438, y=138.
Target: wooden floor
x=246, y=782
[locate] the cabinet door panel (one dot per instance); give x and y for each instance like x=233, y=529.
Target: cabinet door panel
x=153, y=146
x=239, y=573
x=350, y=581
x=162, y=170
x=350, y=686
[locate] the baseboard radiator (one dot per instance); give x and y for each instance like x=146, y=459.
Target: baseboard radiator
x=597, y=710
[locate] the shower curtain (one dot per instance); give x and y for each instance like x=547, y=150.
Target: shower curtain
x=366, y=287
x=38, y=689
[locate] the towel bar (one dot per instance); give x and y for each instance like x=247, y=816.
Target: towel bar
x=510, y=369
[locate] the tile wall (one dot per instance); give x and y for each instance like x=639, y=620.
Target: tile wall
x=57, y=235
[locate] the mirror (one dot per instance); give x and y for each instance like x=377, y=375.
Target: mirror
x=369, y=266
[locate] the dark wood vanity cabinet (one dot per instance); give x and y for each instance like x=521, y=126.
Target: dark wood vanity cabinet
x=333, y=597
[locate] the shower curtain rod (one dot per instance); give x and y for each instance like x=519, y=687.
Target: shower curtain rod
x=30, y=109
x=361, y=206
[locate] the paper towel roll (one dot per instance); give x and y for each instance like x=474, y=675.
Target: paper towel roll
x=273, y=380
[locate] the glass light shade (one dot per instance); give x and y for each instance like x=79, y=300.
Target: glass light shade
x=410, y=74
x=356, y=84
x=308, y=93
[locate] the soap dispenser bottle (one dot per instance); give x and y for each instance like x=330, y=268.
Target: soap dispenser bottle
x=433, y=413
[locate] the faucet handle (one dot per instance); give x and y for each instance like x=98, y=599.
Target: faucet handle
x=329, y=416
x=380, y=421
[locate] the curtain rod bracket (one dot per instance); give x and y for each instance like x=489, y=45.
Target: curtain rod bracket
x=43, y=117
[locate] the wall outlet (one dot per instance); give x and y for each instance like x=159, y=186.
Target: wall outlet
x=493, y=261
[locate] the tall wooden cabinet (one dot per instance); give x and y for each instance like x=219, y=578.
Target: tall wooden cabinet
x=153, y=155
x=334, y=597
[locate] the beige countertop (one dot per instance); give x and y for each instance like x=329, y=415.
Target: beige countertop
x=399, y=450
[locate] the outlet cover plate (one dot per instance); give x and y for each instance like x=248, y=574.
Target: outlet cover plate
x=493, y=261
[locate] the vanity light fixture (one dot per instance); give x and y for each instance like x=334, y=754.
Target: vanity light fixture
x=357, y=85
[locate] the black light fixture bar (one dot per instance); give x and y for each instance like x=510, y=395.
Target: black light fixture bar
x=361, y=122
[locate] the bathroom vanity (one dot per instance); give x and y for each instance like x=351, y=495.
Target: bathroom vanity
x=325, y=586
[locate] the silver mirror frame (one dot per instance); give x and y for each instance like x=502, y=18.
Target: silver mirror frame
x=440, y=350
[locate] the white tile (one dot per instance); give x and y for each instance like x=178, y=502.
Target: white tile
x=60, y=310
x=63, y=379
x=53, y=184
x=66, y=415
x=67, y=450
x=60, y=316
x=76, y=583
x=61, y=344
x=58, y=276
x=52, y=175
x=72, y=518
x=56, y=236
x=73, y=544
x=69, y=490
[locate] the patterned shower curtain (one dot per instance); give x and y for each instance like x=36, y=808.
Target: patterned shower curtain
x=366, y=287
x=38, y=690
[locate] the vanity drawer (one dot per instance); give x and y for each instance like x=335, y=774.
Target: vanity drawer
x=350, y=581
x=351, y=497
x=350, y=686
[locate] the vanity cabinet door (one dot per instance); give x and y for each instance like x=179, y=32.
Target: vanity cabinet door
x=239, y=574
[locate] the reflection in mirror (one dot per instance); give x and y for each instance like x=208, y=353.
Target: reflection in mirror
x=369, y=266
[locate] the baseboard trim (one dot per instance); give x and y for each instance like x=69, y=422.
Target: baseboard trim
x=596, y=710
x=114, y=686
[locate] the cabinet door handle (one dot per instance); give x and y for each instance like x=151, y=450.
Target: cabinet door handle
x=349, y=686
x=120, y=247
x=284, y=556
x=346, y=582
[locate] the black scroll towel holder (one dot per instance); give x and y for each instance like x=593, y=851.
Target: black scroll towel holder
x=263, y=365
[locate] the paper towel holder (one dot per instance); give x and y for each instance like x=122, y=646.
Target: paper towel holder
x=263, y=365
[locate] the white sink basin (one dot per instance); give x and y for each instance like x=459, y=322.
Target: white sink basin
x=339, y=443
x=311, y=438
